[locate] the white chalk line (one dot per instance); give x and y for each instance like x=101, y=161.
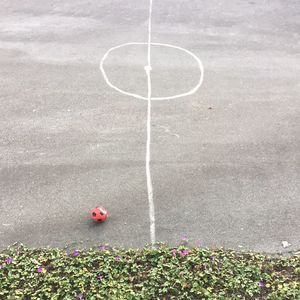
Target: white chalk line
x=190, y=92
x=149, y=41
x=148, y=69
x=149, y=98
x=148, y=158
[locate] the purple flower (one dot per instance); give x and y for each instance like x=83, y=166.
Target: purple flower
x=184, y=238
x=212, y=258
x=184, y=252
x=100, y=277
x=9, y=260
x=1, y=266
x=174, y=252
x=75, y=253
x=102, y=248
x=79, y=296
x=40, y=269
x=261, y=284
x=118, y=258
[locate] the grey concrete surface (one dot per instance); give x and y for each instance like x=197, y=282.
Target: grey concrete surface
x=225, y=161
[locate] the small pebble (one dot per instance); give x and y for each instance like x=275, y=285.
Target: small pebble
x=285, y=244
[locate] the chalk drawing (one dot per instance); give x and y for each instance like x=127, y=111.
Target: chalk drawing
x=167, y=130
x=148, y=70
x=190, y=92
x=149, y=99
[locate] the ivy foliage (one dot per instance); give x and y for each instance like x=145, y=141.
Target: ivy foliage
x=161, y=273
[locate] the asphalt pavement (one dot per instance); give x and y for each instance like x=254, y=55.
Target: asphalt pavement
x=225, y=160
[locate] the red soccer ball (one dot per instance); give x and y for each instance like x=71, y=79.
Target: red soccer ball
x=99, y=214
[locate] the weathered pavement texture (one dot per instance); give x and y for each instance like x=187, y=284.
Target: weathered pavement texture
x=225, y=161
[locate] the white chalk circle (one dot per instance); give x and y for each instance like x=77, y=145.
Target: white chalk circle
x=190, y=92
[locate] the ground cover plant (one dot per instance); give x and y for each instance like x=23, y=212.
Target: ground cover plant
x=161, y=273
